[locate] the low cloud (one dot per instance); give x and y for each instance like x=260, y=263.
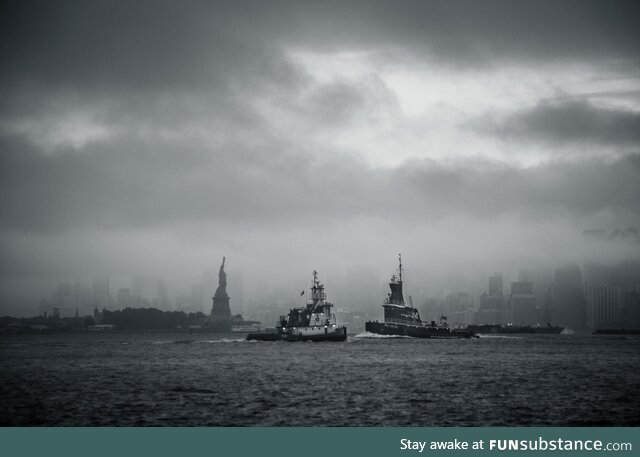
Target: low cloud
x=135, y=184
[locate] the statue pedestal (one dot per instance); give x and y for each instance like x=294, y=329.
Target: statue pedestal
x=221, y=313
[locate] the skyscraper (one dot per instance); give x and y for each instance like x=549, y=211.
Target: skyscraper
x=162, y=300
x=568, y=306
x=492, y=309
x=197, y=298
x=541, y=281
x=137, y=291
x=125, y=299
x=100, y=297
x=496, y=284
x=604, y=306
x=523, y=304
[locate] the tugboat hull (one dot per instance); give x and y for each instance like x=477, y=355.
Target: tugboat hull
x=416, y=331
x=272, y=336
x=334, y=336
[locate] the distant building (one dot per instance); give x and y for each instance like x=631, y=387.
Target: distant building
x=82, y=297
x=137, y=291
x=492, y=305
x=604, y=308
x=523, y=304
x=162, y=296
x=100, y=297
x=64, y=296
x=125, y=299
x=458, y=307
x=65, y=302
x=197, y=298
x=541, y=280
x=183, y=303
x=98, y=316
x=568, y=307
x=611, y=294
x=496, y=286
x=432, y=308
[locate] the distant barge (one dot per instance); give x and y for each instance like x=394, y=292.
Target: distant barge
x=617, y=331
x=513, y=329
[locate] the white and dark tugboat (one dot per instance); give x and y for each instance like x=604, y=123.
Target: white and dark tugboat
x=403, y=320
x=313, y=322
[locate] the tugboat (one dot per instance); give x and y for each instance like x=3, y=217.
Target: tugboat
x=313, y=322
x=403, y=320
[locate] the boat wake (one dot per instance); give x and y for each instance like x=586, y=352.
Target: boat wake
x=486, y=336
x=377, y=336
x=224, y=341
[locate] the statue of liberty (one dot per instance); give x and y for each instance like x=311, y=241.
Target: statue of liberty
x=220, y=311
x=222, y=280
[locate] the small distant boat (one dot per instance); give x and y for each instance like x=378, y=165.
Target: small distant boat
x=313, y=322
x=403, y=320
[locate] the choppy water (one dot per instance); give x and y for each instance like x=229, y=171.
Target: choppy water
x=184, y=380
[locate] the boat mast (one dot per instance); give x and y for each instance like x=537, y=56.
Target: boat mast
x=317, y=292
x=400, y=280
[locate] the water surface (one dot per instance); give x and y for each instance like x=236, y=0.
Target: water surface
x=218, y=380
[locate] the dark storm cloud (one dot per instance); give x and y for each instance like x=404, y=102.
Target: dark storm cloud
x=141, y=45
x=463, y=32
x=144, y=45
x=171, y=61
x=562, y=190
x=133, y=56
x=566, y=121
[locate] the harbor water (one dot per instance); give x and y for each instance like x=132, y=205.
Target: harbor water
x=172, y=379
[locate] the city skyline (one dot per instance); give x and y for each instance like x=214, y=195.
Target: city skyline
x=591, y=296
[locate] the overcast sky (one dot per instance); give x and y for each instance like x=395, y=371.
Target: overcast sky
x=152, y=138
